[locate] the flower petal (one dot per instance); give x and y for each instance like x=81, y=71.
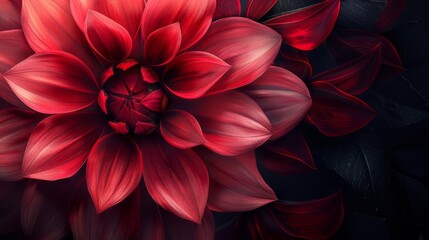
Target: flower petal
x=150, y=215
x=390, y=14
x=235, y=182
x=239, y=126
x=10, y=17
x=181, y=129
x=295, y=61
x=109, y=40
x=249, y=47
x=194, y=17
x=176, y=179
x=356, y=76
x=113, y=170
x=59, y=145
x=192, y=74
x=10, y=207
x=336, y=113
x=227, y=8
x=307, y=28
x=163, y=44
x=257, y=8
x=15, y=129
x=127, y=13
x=42, y=80
x=283, y=97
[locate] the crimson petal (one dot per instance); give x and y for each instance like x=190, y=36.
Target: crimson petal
x=227, y=8
x=307, y=28
x=150, y=215
x=10, y=17
x=390, y=14
x=356, y=76
x=283, y=97
x=257, y=8
x=108, y=39
x=59, y=145
x=180, y=229
x=194, y=17
x=252, y=48
x=42, y=80
x=336, y=113
x=295, y=61
x=10, y=207
x=176, y=179
x=235, y=182
x=192, y=74
x=162, y=45
x=113, y=170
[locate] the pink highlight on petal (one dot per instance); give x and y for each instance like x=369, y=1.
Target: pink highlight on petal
x=163, y=44
x=10, y=17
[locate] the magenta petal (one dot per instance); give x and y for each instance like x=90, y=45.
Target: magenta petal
x=227, y=8
x=295, y=61
x=307, y=28
x=181, y=129
x=194, y=17
x=15, y=129
x=113, y=170
x=107, y=38
x=239, y=126
x=162, y=45
x=257, y=8
x=356, y=76
x=247, y=46
x=10, y=17
x=176, y=179
x=235, y=182
x=42, y=80
x=59, y=145
x=336, y=113
x=192, y=74
x=283, y=97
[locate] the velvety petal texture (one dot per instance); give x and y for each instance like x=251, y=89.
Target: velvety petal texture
x=180, y=229
x=227, y=8
x=59, y=145
x=113, y=171
x=307, y=28
x=257, y=8
x=162, y=45
x=10, y=15
x=176, y=179
x=42, y=80
x=248, y=47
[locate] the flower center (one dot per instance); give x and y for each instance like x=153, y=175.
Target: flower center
x=132, y=98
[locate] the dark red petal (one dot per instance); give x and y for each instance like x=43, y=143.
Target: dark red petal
x=113, y=170
x=227, y=8
x=10, y=18
x=235, y=182
x=176, y=179
x=42, y=80
x=49, y=26
x=10, y=207
x=181, y=129
x=127, y=13
x=180, y=229
x=194, y=17
x=336, y=113
x=163, y=44
x=59, y=145
x=283, y=97
x=249, y=47
x=356, y=76
x=287, y=155
x=192, y=74
x=150, y=215
x=390, y=14
x=295, y=61
x=15, y=129
x=257, y=8
x=239, y=126
x=107, y=38
x=307, y=28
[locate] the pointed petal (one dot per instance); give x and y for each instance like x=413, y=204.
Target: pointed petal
x=227, y=8
x=42, y=80
x=283, y=97
x=163, y=44
x=295, y=61
x=49, y=26
x=257, y=8
x=249, y=47
x=235, y=182
x=15, y=129
x=176, y=179
x=194, y=17
x=109, y=40
x=10, y=16
x=113, y=170
x=181, y=129
x=336, y=113
x=239, y=126
x=192, y=74
x=59, y=145
x=180, y=229
x=127, y=13
x=287, y=155
x=307, y=28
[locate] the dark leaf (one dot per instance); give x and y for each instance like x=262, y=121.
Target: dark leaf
x=360, y=13
x=284, y=6
x=360, y=226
